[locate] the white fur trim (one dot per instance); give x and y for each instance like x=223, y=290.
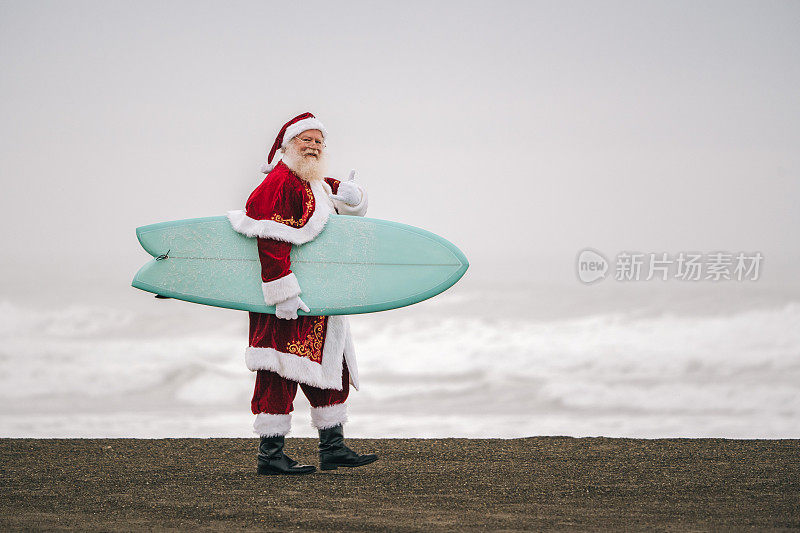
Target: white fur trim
x=327, y=190
x=350, y=356
x=299, y=127
x=281, y=289
x=325, y=375
x=328, y=416
x=269, y=229
x=353, y=210
x=266, y=168
x=267, y=425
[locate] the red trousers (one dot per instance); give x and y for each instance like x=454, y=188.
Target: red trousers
x=274, y=394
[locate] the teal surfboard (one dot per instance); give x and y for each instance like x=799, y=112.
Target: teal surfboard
x=355, y=265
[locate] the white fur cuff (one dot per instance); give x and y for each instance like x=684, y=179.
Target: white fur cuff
x=281, y=289
x=267, y=425
x=328, y=416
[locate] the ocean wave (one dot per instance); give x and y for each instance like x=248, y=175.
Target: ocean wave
x=588, y=373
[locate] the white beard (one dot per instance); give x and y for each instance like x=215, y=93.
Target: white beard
x=309, y=168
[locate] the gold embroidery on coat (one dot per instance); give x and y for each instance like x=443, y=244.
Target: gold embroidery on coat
x=308, y=208
x=311, y=346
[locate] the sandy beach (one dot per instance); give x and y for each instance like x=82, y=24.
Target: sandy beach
x=419, y=484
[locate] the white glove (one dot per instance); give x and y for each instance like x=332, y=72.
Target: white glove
x=348, y=191
x=287, y=309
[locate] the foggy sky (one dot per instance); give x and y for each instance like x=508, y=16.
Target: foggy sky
x=521, y=131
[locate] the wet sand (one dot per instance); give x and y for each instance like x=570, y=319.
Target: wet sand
x=418, y=484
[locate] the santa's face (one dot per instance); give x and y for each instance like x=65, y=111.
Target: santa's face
x=310, y=144
x=305, y=155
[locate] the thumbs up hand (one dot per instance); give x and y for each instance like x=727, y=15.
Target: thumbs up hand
x=349, y=193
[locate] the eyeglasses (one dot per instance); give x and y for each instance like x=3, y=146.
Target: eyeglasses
x=308, y=141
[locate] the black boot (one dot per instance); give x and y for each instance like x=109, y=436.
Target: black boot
x=272, y=460
x=333, y=453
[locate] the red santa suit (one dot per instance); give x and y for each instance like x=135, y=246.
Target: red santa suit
x=315, y=351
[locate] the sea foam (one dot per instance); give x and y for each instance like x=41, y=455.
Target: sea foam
x=440, y=369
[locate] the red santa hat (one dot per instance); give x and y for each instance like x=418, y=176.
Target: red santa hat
x=289, y=131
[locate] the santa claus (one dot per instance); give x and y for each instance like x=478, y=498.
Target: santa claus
x=291, y=207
